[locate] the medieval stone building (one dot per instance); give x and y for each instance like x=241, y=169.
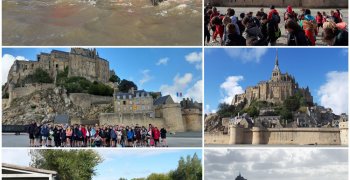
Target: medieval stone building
x=240, y=177
x=80, y=62
x=276, y=90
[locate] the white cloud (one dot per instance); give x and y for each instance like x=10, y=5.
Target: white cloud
x=345, y=52
x=163, y=61
x=230, y=88
x=145, y=76
x=246, y=55
x=207, y=109
x=334, y=93
x=181, y=85
x=195, y=58
x=7, y=61
x=196, y=91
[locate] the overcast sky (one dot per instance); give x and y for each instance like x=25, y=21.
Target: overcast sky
x=277, y=164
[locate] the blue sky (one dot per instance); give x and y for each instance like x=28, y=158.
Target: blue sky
x=168, y=70
x=127, y=163
x=135, y=163
x=324, y=70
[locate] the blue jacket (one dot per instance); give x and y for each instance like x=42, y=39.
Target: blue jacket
x=130, y=134
x=113, y=134
x=44, y=131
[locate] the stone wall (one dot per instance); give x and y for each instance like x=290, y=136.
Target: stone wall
x=283, y=136
x=86, y=100
x=343, y=126
x=116, y=119
x=173, y=117
x=281, y=3
x=28, y=89
x=216, y=138
x=192, y=119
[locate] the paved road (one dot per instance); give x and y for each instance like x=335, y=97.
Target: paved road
x=188, y=139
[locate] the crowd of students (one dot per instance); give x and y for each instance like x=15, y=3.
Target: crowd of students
x=264, y=28
x=78, y=135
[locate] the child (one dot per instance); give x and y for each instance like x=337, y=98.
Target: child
x=219, y=28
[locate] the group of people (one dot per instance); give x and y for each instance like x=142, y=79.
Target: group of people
x=263, y=29
x=78, y=135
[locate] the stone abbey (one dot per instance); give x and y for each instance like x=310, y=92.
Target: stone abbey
x=80, y=62
x=48, y=101
x=276, y=90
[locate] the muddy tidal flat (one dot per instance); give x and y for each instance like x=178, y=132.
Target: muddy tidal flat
x=101, y=22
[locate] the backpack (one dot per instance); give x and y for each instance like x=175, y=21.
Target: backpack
x=276, y=18
x=278, y=33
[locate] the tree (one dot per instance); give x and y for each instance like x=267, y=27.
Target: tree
x=39, y=76
x=189, y=169
x=252, y=111
x=126, y=85
x=226, y=110
x=155, y=176
x=114, y=78
x=69, y=164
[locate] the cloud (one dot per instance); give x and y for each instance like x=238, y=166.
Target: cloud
x=275, y=164
x=230, y=88
x=182, y=84
x=208, y=110
x=163, y=61
x=7, y=61
x=246, y=55
x=195, y=58
x=145, y=76
x=345, y=52
x=334, y=93
x=196, y=91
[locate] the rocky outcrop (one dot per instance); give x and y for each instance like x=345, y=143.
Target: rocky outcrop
x=212, y=122
x=42, y=107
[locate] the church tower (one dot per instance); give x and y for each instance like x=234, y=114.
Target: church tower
x=276, y=73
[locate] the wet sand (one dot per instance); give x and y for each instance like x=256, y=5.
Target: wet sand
x=101, y=22
x=282, y=41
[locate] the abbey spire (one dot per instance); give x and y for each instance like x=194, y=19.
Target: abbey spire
x=276, y=73
x=276, y=68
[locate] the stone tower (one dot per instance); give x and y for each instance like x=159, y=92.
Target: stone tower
x=276, y=73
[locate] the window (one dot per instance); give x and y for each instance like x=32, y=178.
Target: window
x=129, y=96
x=124, y=102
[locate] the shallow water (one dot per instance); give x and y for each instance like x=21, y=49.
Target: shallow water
x=101, y=22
